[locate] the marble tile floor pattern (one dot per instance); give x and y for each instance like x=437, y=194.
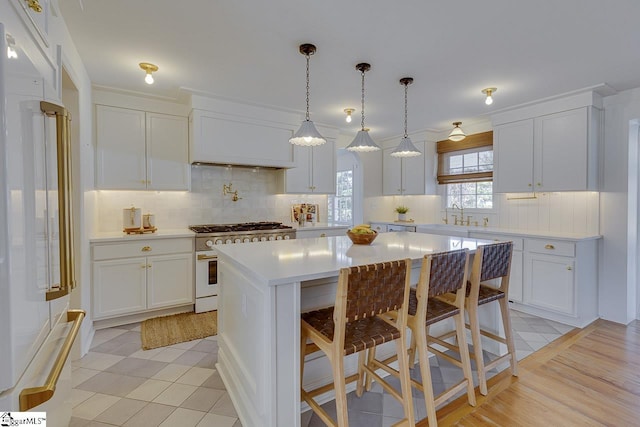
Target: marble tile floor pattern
x=118, y=384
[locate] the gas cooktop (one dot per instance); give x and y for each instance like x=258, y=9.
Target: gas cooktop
x=232, y=228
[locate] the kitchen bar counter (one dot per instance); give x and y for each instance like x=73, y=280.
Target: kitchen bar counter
x=263, y=288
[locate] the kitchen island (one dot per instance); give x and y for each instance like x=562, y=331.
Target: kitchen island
x=263, y=288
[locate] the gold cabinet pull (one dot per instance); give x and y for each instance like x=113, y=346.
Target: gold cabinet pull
x=146, y=249
x=34, y=5
x=323, y=235
x=569, y=268
x=143, y=266
x=549, y=247
x=148, y=265
x=34, y=396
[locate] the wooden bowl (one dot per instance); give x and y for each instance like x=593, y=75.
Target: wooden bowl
x=362, y=239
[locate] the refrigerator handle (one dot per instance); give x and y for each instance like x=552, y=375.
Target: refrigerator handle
x=65, y=214
x=34, y=396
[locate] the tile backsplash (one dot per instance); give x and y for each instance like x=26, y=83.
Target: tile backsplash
x=205, y=203
x=569, y=212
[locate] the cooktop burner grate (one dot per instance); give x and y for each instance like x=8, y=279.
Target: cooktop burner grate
x=230, y=228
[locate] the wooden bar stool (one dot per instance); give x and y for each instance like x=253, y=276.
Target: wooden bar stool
x=352, y=326
x=440, y=273
x=490, y=262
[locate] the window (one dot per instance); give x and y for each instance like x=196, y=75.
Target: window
x=466, y=170
x=341, y=205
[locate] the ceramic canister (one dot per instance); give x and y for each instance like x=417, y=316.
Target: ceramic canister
x=148, y=220
x=131, y=218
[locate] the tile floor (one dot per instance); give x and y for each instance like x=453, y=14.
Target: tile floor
x=118, y=384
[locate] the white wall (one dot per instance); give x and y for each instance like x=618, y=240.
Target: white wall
x=618, y=253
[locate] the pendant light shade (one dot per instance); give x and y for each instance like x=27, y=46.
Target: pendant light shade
x=406, y=147
x=307, y=134
x=363, y=142
x=457, y=134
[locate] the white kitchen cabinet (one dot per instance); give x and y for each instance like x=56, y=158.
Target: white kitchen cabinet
x=315, y=170
x=119, y=287
x=138, y=150
x=515, y=277
x=403, y=176
x=135, y=277
x=224, y=139
x=550, y=282
x=306, y=232
x=553, y=152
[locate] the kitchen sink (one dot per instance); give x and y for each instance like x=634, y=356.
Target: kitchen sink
x=446, y=229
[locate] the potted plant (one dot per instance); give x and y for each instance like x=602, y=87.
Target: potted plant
x=402, y=212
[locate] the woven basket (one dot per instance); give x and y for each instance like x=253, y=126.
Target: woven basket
x=362, y=239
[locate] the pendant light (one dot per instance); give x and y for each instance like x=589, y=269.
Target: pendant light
x=307, y=134
x=406, y=147
x=457, y=134
x=363, y=142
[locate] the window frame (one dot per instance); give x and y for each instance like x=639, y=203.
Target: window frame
x=476, y=142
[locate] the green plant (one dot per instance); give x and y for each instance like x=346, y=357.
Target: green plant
x=402, y=209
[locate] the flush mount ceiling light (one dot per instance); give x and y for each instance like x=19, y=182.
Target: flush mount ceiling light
x=363, y=142
x=11, y=47
x=406, y=147
x=307, y=135
x=489, y=91
x=457, y=134
x=149, y=68
x=349, y=111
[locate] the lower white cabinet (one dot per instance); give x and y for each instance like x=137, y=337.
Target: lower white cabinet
x=552, y=278
x=133, y=277
x=550, y=282
x=303, y=233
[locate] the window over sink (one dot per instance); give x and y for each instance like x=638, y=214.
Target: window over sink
x=465, y=168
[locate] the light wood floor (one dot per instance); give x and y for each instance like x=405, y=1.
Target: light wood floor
x=587, y=377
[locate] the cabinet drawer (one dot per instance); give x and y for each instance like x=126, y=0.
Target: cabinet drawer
x=517, y=241
x=551, y=247
x=146, y=247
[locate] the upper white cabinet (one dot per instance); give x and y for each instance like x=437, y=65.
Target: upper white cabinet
x=403, y=176
x=552, y=152
x=137, y=150
x=315, y=170
x=224, y=139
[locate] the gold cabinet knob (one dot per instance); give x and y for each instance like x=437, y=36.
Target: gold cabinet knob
x=34, y=5
x=146, y=249
x=148, y=265
x=143, y=266
x=549, y=247
x=569, y=268
x=529, y=185
x=323, y=235
x=539, y=184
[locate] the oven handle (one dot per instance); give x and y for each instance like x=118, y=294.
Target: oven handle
x=206, y=257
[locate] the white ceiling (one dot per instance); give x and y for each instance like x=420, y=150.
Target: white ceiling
x=248, y=51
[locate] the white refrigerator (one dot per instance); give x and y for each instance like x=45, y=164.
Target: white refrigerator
x=37, y=329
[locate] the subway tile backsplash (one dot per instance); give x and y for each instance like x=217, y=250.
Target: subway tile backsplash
x=205, y=203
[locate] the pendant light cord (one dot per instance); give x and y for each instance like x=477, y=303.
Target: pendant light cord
x=406, y=86
x=362, y=122
x=307, y=117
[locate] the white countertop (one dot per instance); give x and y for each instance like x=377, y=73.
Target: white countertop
x=287, y=261
x=318, y=226
x=120, y=236
x=496, y=230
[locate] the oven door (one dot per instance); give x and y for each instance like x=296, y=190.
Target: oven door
x=206, y=274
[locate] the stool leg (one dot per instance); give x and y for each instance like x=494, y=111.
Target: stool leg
x=461, y=333
x=412, y=351
x=405, y=380
x=337, y=364
x=508, y=334
x=362, y=376
x=477, y=348
x=368, y=379
x=425, y=372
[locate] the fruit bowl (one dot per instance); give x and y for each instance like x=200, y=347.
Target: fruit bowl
x=362, y=238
